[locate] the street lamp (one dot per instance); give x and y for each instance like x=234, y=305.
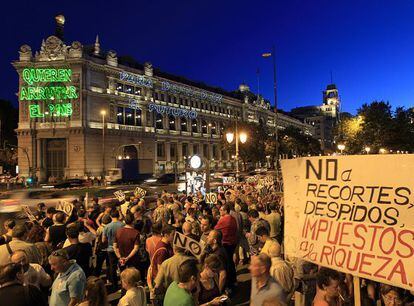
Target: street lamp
x=273, y=55
x=243, y=138
x=103, y=113
x=382, y=151
x=367, y=149
x=341, y=147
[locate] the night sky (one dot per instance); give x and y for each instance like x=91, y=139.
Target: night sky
x=368, y=45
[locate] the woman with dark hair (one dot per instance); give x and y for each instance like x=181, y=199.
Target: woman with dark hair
x=8, y=226
x=36, y=235
x=12, y=291
x=95, y=294
x=391, y=296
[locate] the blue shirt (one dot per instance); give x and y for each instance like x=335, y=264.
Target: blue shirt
x=110, y=231
x=67, y=285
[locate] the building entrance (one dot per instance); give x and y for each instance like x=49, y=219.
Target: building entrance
x=55, y=158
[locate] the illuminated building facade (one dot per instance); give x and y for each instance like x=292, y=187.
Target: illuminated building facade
x=81, y=110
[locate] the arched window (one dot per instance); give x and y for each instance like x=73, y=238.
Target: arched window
x=184, y=124
x=171, y=122
x=194, y=127
x=138, y=118
x=204, y=127
x=158, y=121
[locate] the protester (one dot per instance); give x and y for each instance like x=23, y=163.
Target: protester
x=78, y=251
x=48, y=221
x=391, y=295
x=95, y=294
x=327, y=287
x=206, y=227
x=33, y=274
x=8, y=226
x=263, y=234
x=19, y=234
x=135, y=294
x=12, y=290
x=214, y=246
x=264, y=287
x=69, y=286
x=152, y=241
x=109, y=237
x=274, y=220
x=56, y=233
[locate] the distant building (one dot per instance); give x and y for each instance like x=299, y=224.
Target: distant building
x=324, y=117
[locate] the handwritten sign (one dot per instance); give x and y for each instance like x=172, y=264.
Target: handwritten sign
x=352, y=214
x=139, y=192
x=120, y=195
x=189, y=244
x=66, y=207
x=211, y=198
x=29, y=213
x=229, y=180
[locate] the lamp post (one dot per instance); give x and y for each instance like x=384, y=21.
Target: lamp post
x=243, y=139
x=341, y=147
x=208, y=158
x=367, y=149
x=273, y=55
x=103, y=113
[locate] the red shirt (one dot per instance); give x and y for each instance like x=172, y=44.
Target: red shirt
x=162, y=252
x=228, y=226
x=127, y=238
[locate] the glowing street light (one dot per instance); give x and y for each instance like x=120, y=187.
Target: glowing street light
x=367, y=149
x=382, y=151
x=229, y=137
x=243, y=137
x=341, y=147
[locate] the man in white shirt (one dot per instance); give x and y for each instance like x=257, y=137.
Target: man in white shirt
x=33, y=274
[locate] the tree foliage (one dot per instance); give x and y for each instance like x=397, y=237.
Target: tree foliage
x=377, y=126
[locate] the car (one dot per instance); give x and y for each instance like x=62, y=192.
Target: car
x=71, y=183
x=164, y=179
x=12, y=201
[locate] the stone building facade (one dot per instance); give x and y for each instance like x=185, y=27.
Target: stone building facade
x=81, y=110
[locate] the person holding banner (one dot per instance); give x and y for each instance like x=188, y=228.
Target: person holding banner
x=327, y=290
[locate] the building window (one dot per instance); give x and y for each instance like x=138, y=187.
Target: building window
x=160, y=149
x=214, y=151
x=195, y=149
x=205, y=150
x=129, y=89
x=137, y=91
x=120, y=115
x=173, y=151
x=138, y=117
x=194, y=126
x=185, y=149
x=204, y=127
x=171, y=122
x=155, y=95
x=129, y=116
x=158, y=122
x=183, y=124
x=213, y=128
x=120, y=87
x=162, y=97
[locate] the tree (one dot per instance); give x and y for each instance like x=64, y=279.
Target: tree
x=377, y=126
x=293, y=141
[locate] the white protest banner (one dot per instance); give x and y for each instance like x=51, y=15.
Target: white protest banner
x=353, y=214
x=28, y=212
x=66, y=207
x=189, y=244
x=139, y=192
x=120, y=195
x=229, y=180
x=211, y=198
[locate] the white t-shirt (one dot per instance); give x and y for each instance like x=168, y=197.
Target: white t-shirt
x=134, y=297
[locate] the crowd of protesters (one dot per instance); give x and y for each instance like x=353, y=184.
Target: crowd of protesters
x=126, y=250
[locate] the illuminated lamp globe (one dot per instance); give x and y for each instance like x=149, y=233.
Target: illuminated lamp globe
x=195, y=162
x=60, y=19
x=103, y=112
x=229, y=137
x=243, y=137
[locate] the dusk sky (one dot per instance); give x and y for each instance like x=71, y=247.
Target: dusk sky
x=368, y=45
